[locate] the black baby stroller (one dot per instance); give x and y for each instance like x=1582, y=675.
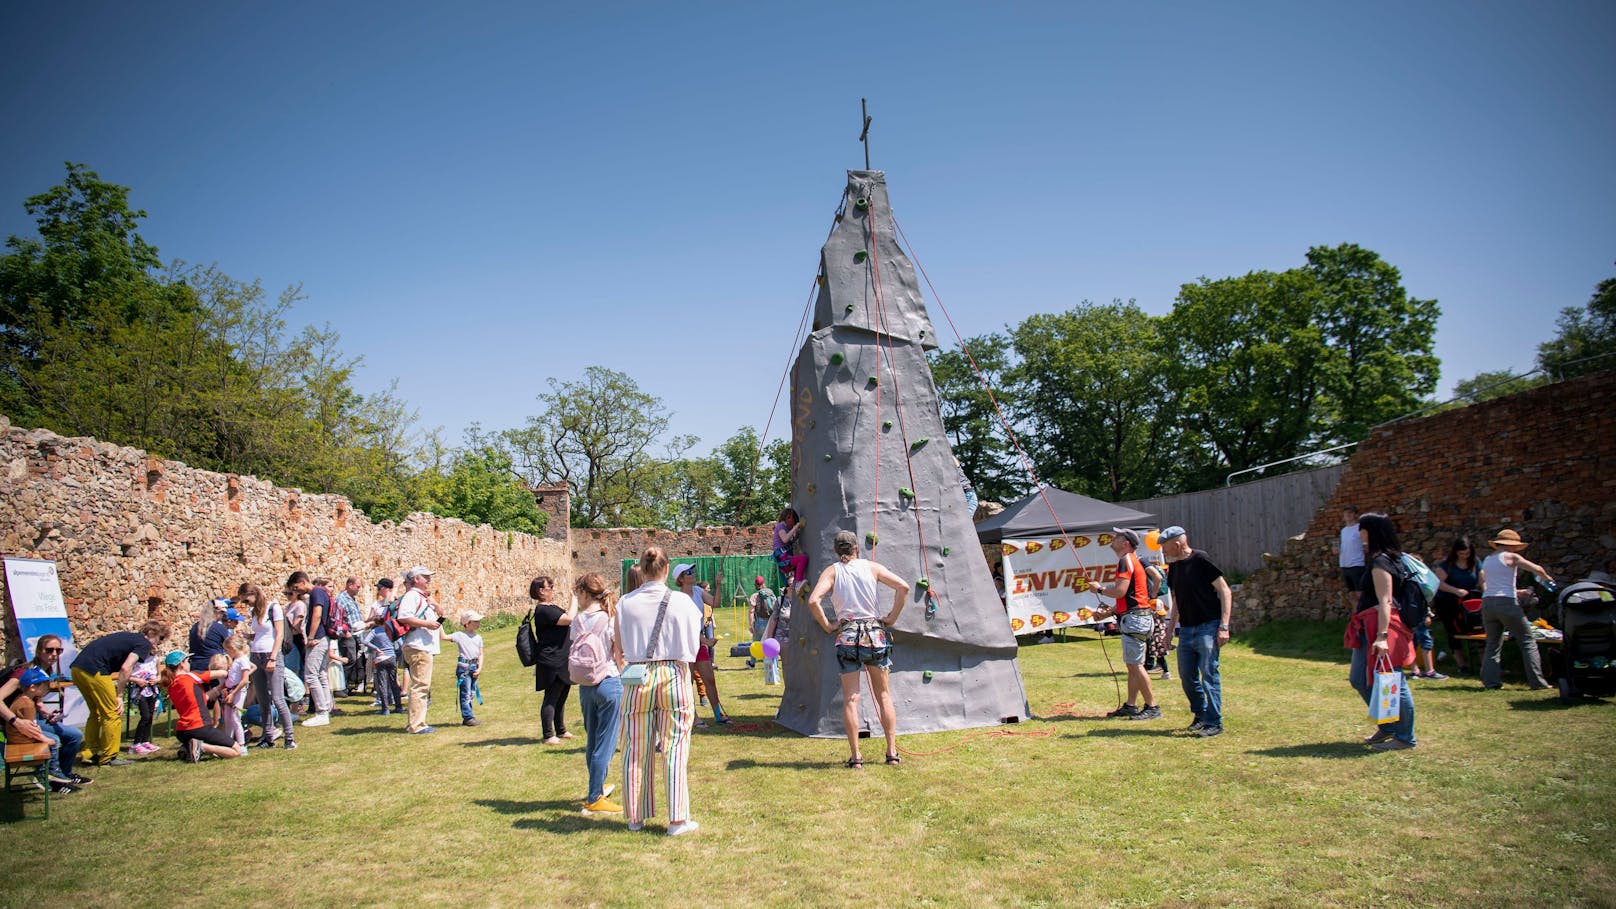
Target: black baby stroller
x=1587, y=617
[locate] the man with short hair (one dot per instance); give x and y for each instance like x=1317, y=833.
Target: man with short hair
x=418, y=613
x=1202, y=602
x=317, y=656
x=347, y=601
x=1135, y=621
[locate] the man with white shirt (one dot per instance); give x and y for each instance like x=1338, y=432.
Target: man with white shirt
x=418, y=613
x=1351, y=550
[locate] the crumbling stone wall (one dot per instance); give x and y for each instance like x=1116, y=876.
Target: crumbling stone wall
x=1542, y=462
x=604, y=549
x=134, y=536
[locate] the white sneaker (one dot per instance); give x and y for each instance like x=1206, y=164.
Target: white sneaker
x=319, y=719
x=607, y=790
x=636, y=825
x=682, y=828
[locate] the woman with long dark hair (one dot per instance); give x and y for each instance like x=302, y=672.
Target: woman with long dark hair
x=552, y=625
x=1459, y=575
x=1376, y=636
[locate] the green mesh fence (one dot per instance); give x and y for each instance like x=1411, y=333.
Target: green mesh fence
x=730, y=609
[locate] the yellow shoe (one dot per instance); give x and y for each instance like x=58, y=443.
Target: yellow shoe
x=602, y=805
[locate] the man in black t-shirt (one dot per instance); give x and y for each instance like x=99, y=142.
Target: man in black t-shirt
x=1202, y=602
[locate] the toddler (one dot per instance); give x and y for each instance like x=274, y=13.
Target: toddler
x=384, y=665
x=144, y=678
x=470, y=664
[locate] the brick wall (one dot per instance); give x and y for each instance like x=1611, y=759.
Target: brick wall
x=604, y=549
x=135, y=536
x=1542, y=462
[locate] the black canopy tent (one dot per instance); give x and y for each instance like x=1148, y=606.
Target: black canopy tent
x=1030, y=517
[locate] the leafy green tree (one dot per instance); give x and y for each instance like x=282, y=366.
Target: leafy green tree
x=597, y=435
x=1485, y=386
x=753, y=482
x=481, y=487
x=1381, y=340
x=1586, y=339
x=1088, y=387
x=975, y=431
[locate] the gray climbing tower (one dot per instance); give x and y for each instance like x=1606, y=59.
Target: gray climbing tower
x=869, y=455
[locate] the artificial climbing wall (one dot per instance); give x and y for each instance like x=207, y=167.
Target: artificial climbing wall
x=869, y=455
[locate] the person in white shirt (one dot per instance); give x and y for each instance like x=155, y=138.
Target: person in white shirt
x=863, y=635
x=418, y=613
x=657, y=636
x=469, y=667
x=1351, y=558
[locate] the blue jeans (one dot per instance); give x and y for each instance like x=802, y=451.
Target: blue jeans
x=1363, y=679
x=69, y=742
x=1198, y=671
x=466, y=684
x=599, y=705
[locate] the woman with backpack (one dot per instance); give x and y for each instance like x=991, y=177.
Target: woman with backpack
x=550, y=631
x=268, y=622
x=600, y=691
x=1376, y=635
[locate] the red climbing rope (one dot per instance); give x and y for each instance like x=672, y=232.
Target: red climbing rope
x=999, y=733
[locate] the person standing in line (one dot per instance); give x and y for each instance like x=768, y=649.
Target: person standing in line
x=863, y=636
x=1350, y=552
x=1501, y=611
x=601, y=702
x=268, y=624
x=296, y=611
x=658, y=628
x=469, y=664
x=1135, y=620
x=684, y=576
x=551, y=624
x=1376, y=635
x=379, y=611
x=1202, y=603
x=347, y=603
x=383, y=663
x=418, y=613
x=101, y=673
x=317, y=655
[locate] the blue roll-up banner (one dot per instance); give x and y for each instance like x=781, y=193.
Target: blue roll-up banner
x=37, y=610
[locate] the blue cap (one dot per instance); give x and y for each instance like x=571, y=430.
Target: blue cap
x=174, y=658
x=33, y=675
x=231, y=615
x=1171, y=533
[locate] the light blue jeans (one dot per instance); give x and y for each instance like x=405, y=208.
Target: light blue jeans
x=1363, y=679
x=68, y=742
x=1198, y=671
x=466, y=684
x=600, y=706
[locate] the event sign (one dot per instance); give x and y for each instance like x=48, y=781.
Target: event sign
x=37, y=610
x=1047, y=580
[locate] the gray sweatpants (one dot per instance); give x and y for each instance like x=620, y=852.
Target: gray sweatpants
x=317, y=673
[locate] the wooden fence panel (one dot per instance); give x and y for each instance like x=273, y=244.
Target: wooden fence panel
x=1237, y=524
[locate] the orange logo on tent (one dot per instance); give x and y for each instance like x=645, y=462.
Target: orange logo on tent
x=1009, y=549
x=1057, y=543
x=1061, y=617
x=1105, y=539
x=1038, y=621
x=1015, y=624
x=1080, y=542
x=1034, y=546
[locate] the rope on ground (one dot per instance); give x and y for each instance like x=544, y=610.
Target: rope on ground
x=982, y=733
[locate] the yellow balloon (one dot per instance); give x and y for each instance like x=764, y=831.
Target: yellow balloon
x=756, y=650
x=1153, y=539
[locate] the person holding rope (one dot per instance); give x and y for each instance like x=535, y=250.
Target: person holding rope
x=863, y=636
x=1135, y=621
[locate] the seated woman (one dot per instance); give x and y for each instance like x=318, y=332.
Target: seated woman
x=24, y=707
x=48, y=659
x=193, y=728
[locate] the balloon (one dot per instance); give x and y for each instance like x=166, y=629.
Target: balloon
x=756, y=650
x=1153, y=539
x=771, y=648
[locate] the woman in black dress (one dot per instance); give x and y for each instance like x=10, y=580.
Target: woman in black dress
x=551, y=625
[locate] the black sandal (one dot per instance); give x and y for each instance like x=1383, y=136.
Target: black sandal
x=854, y=763
x=894, y=759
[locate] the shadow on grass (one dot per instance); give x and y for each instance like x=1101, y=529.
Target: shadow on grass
x=369, y=730
x=514, y=740
x=1133, y=729
x=749, y=763
x=1317, y=750
x=572, y=822
x=507, y=806
x=1539, y=704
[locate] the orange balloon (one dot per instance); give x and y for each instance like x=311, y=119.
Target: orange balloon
x=1153, y=539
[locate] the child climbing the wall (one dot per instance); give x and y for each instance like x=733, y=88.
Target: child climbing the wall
x=793, y=565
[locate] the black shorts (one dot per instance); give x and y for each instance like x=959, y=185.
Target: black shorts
x=208, y=735
x=1352, y=578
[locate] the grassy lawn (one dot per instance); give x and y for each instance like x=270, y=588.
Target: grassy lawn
x=1508, y=801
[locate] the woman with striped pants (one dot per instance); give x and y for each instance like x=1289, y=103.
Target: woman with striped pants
x=658, y=631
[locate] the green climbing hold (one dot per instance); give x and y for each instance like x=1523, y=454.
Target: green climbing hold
x=861, y=204
x=919, y=442
x=886, y=424
x=849, y=307
x=906, y=492
x=923, y=583
x=870, y=539
x=923, y=332
x=927, y=675
x=836, y=359
x=875, y=380
x=945, y=550
x=861, y=255
x=827, y=456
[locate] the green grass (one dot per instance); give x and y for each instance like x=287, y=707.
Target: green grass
x=1507, y=802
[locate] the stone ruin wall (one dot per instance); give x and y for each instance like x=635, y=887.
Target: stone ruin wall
x=134, y=535
x=1542, y=462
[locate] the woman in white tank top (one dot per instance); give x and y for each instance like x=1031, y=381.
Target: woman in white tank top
x=863, y=636
x=1501, y=612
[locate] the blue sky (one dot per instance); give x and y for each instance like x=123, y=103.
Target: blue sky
x=482, y=196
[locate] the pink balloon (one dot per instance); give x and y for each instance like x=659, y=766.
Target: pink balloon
x=771, y=648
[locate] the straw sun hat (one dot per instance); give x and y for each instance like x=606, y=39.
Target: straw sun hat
x=1507, y=539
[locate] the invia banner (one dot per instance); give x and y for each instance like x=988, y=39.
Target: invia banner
x=1047, y=580
x=38, y=610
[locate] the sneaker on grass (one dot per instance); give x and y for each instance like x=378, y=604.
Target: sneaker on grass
x=680, y=828
x=1195, y=725
x=1126, y=710
x=1207, y=732
x=318, y=719
x=1392, y=744
x=600, y=806
x=1152, y=712
x=1379, y=735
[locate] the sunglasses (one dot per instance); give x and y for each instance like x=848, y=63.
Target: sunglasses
x=51, y=650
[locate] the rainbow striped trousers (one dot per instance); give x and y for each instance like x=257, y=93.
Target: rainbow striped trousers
x=657, y=717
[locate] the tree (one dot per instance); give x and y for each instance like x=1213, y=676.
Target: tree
x=1381, y=363
x=753, y=483
x=1586, y=338
x=976, y=434
x=481, y=487
x=1088, y=388
x=596, y=435
x=1485, y=386
x=1246, y=365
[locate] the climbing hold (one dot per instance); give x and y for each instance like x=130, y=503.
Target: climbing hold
x=926, y=675
x=812, y=489
x=823, y=281
x=875, y=380
x=836, y=359
x=906, y=492
x=931, y=605
x=849, y=307
x=923, y=583
x=886, y=424
x=827, y=456
x=919, y=442
x=861, y=255
x=870, y=539
x=945, y=550
x=861, y=204
x=923, y=332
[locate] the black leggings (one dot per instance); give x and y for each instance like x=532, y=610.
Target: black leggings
x=551, y=715
x=148, y=708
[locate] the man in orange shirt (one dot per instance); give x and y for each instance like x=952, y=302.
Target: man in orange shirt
x=1135, y=620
